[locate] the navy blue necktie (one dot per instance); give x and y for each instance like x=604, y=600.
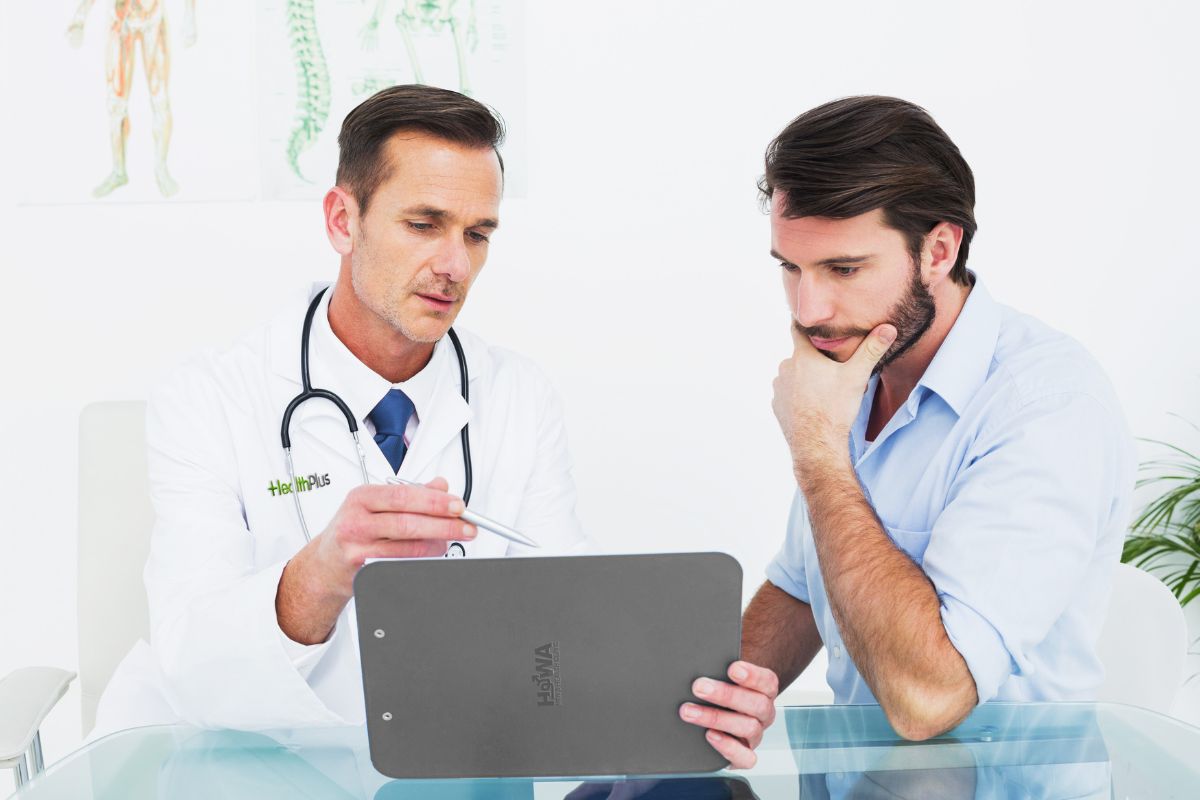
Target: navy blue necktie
x=390, y=418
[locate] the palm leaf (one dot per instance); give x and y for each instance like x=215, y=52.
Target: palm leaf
x=1169, y=525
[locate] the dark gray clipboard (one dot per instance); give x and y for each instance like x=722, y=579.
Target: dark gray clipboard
x=538, y=667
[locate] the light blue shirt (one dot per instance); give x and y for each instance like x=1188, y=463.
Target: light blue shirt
x=1007, y=477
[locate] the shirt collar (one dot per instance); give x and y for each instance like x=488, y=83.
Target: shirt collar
x=336, y=368
x=962, y=363
x=421, y=387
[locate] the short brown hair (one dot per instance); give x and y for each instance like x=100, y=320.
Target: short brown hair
x=443, y=113
x=858, y=154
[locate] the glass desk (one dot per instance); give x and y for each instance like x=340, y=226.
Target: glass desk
x=1051, y=750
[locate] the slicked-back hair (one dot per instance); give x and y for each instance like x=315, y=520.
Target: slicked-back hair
x=363, y=163
x=858, y=154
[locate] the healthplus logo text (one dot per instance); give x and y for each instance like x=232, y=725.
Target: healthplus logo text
x=303, y=484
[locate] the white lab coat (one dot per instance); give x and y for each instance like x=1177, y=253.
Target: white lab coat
x=222, y=538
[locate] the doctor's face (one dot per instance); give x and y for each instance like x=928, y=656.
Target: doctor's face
x=843, y=277
x=424, y=237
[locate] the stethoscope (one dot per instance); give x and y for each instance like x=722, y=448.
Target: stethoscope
x=309, y=393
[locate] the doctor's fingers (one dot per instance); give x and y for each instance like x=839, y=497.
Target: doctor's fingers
x=406, y=548
x=743, y=726
x=414, y=499
x=402, y=526
x=736, y=752
x=736, y=698
x=356, y=529
x=756, y=678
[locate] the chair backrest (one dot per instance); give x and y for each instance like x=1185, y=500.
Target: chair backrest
x=1143, y=644
x=115, y=520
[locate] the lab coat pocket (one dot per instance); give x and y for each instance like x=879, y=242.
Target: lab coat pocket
x=911, y=542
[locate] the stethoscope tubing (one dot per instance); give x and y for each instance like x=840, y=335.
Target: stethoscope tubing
x=309, y=393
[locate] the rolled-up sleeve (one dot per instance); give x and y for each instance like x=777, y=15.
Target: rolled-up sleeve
x=1021, y=527
x=786, y=570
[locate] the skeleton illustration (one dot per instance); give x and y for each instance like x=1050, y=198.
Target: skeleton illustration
x=313, y=88
x=433, y=16
x=137, y=22
x=370, y=85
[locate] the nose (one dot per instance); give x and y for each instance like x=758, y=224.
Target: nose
x=454, y=262
x=812, y=305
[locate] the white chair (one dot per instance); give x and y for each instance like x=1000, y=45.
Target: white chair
x=1143, y=644
x=115, y=520
x=26, y=697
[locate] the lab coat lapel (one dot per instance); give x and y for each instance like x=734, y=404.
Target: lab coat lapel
x=440, y=425
x=318, y=426
x=284, y=335
x=324, y=425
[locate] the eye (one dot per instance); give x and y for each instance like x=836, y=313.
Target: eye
x=845, y=272
x=420, y=226
x=789, y=266
x=477, y=237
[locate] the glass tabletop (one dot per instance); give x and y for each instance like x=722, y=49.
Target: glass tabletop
x=1039, y=750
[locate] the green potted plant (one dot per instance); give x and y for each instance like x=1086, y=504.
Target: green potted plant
x=1165, y=537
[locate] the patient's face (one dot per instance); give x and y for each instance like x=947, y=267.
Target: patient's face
x=843, y=277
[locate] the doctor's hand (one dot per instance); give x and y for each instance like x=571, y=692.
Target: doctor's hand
x=389, y=521
x=744, y=710
x=817, y=399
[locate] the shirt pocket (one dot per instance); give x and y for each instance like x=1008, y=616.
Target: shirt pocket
x=913, y=543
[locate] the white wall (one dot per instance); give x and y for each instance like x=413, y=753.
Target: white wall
x=636, y=269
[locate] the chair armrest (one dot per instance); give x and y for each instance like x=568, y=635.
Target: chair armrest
x=26, y=697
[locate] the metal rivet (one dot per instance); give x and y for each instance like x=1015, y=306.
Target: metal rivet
x=387, y=716
x=378, y=634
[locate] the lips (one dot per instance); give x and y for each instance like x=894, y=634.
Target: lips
x=827, y=344
x=441, y=302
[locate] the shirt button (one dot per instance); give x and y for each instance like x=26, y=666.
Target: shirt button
x=837, y=651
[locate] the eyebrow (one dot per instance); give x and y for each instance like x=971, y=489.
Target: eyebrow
x=442, y=214
x=835, y=261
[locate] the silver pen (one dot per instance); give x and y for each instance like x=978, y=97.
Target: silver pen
x=481, y=521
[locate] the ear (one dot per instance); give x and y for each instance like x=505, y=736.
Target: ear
x=940, y=252
x=341, y=219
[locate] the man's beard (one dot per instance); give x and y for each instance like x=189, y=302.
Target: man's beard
x=912, y=315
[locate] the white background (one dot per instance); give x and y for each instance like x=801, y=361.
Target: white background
x=636, y=269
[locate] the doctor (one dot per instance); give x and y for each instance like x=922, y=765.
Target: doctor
x=252, y=559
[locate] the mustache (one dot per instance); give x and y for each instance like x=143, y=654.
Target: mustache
x=452, y=290
x=822, y=332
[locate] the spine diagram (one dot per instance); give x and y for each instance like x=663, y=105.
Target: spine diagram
x=312, y=81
